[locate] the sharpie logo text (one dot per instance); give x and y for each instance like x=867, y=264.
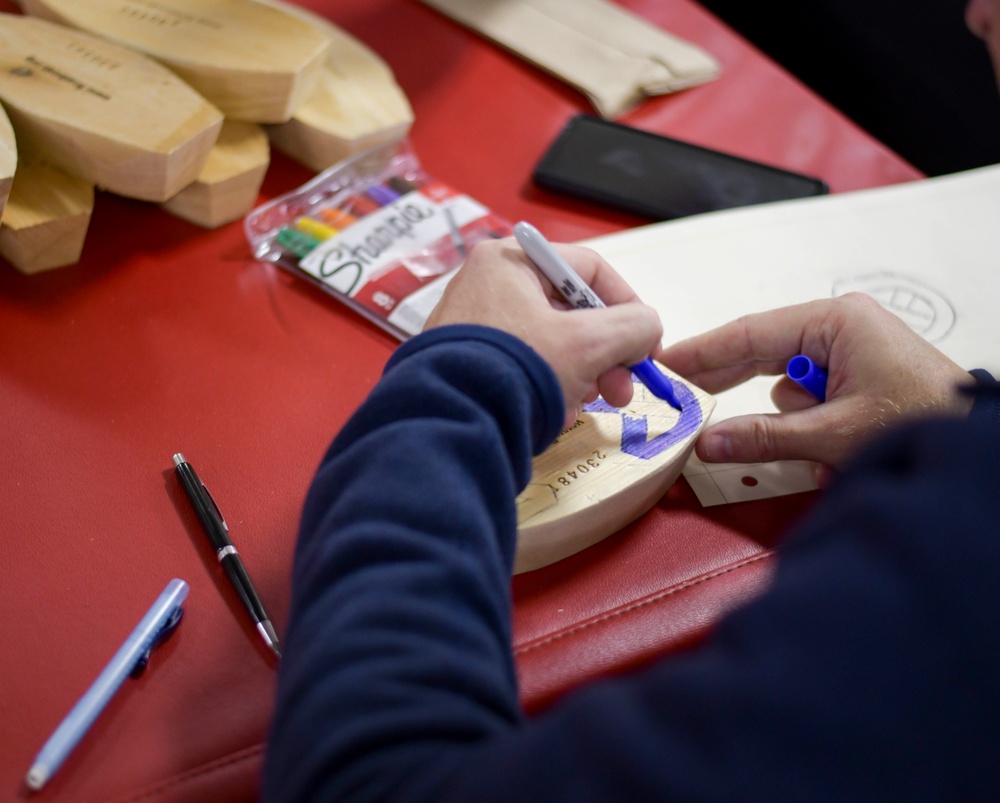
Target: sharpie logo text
x=368, y=241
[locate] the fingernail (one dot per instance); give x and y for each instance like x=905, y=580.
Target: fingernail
x=824, y=475
x=715, y=448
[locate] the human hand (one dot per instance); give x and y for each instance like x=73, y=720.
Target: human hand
x=983, y=18
x=879, y=372
x=587, y=349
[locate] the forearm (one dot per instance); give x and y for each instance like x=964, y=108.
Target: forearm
x=399, y=642
x=864, y=673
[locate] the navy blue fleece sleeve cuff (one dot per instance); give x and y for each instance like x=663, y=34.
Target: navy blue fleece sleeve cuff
x=548, y=399
x=986, y=406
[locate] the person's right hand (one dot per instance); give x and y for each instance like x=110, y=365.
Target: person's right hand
x=587, y=349
x=879, y=372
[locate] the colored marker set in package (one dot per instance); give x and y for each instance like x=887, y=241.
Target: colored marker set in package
x=376, y=232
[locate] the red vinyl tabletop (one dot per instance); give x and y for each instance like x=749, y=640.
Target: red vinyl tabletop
x=167, y=337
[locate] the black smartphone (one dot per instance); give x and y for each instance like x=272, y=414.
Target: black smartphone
x=658, y=177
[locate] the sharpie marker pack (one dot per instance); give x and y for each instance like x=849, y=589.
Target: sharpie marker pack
x=377, y=233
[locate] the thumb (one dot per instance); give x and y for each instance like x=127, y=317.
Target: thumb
x=818, y=433
x=624, y=334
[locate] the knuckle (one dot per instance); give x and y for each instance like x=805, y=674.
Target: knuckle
x=763, y=439
x=857, y=302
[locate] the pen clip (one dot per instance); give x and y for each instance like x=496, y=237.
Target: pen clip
x=215, y=506
x=165, y=632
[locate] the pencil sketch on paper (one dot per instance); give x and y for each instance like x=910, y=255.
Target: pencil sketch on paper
x=920, y=248
x=927, y=311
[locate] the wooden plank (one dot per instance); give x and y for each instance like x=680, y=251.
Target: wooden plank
x=46, y=219
x=605, y=471
x=101, y=111
x=255, y=62
x=8, y=158
x=229, y=183
x=357, y=103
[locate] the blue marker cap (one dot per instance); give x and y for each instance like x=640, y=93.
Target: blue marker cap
x=658, y=384
x=807, y=375
x=382, y=195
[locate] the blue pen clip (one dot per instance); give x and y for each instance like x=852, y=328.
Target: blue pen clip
x=165, y=632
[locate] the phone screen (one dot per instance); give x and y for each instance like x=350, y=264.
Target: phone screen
x=658, y=177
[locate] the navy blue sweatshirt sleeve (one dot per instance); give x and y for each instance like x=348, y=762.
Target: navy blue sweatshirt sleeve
x=986, y=404
x=866, y=672
x=398, y=647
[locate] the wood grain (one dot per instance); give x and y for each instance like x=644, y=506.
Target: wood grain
x=228, y=185
x=46, y=219
x=255, y=62
x=8, y=158
x=604, y=471
x=357, y=103
x=101, y=111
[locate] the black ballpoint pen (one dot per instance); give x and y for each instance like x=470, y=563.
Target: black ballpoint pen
x=218, y=534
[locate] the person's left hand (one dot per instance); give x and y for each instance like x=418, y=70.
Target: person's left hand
x=588, y=350
x=880, y=373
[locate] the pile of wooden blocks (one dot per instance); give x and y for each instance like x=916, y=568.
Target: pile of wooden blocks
x=174, y=103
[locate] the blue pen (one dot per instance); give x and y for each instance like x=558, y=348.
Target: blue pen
x=157, y=624
x=566, y=280
x=807, y=375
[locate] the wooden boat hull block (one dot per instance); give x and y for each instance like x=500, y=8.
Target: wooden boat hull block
x=8, y=158
x=229, y=184
x=603, y=472
x=255, y=62
x=46, y=220
x=356, y=105
x=101, y=111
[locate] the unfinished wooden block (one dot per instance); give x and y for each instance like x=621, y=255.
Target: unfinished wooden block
x=603, y=472
x=255, y=62
x=8, y=158
x=229, y=183
x=46, y=219
x=101, y=111
x=356, y=105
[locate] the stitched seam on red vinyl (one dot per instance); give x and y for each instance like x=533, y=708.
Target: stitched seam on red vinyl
x=253, y=751
x=204, y=769
x=639, y=604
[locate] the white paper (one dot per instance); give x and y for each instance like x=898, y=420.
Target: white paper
x=929, y=250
